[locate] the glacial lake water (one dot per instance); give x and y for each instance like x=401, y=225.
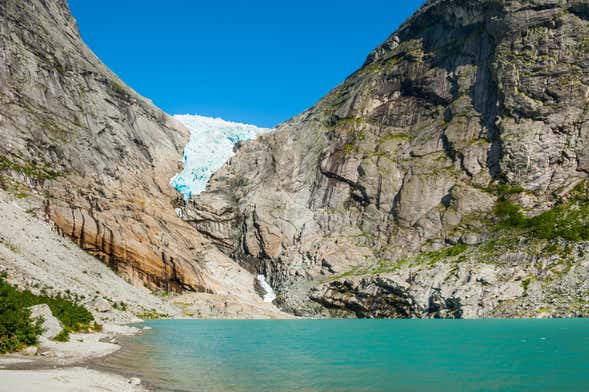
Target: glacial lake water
x=360, y=355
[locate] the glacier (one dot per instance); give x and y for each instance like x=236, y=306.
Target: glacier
x=209, y=147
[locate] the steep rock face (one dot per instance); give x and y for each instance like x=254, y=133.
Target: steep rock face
x=97, y=155
x=468, y=102
x=527, y=280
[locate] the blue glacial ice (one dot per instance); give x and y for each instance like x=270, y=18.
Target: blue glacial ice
x=210, y=146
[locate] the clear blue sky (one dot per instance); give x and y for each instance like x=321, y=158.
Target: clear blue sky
x=258, y=61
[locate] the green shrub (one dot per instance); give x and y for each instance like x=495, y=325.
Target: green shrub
x=510, y=190
x=16, y=328
x=151, y=314
x=63, y=336
x=567, y=221
x=525, y=284
x=72, y=316
x=435, y=256
x=452, y=251
x=509, y=214
x=120, y=306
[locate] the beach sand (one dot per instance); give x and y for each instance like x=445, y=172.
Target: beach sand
x=66, y=379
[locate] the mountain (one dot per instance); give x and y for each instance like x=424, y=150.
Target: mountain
x=96, y=153
x=447, y=177
x=85, y=152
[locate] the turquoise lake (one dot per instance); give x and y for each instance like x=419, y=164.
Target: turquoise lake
x=360, y=355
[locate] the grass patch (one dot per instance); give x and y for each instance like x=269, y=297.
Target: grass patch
x=425, y=258
x=31, y=170
x=348, y=148
x=567, y=221
x=15, y=188
x=9, y=245
x=152, y=314
x=16, y=328
x=502, y=190
x=335, y=123
x=117, y=88
x=435, y=256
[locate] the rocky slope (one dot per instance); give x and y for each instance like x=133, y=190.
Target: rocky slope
x=399, y=193
x=35, y=257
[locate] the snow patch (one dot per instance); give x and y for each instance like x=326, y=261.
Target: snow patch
x=210, y=146
x=269, y=294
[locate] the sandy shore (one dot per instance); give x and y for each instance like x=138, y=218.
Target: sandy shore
x=67, y=379
x=56, y=367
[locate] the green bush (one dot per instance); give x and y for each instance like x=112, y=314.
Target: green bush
x=152, y=314
x=435, y=256
x=567, y=221
x=63, y=336
x=510, y=214
x=16, y=328
x=73, y=317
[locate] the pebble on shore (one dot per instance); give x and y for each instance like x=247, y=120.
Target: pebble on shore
x=135, y=381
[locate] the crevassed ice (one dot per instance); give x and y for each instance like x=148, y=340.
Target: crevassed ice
x=210, y=146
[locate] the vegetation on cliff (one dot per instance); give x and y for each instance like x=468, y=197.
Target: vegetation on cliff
x=567, y=220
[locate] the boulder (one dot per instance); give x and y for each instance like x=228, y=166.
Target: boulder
x=135, y=381
x=30, y=351
x=51, y=325
x=102, y=305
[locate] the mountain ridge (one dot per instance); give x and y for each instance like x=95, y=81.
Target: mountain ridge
x=469, y=108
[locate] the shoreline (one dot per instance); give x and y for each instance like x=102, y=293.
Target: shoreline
x=70, y=366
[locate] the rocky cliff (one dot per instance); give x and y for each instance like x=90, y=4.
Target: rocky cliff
x=445, y=178
x=97, y=155
x=85, y=152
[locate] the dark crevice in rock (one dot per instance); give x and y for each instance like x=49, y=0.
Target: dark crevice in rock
x=486, y=97
x=580, y=8
x=378, y=297
x=396, y=202
x=448, y=147
x=362, y=196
